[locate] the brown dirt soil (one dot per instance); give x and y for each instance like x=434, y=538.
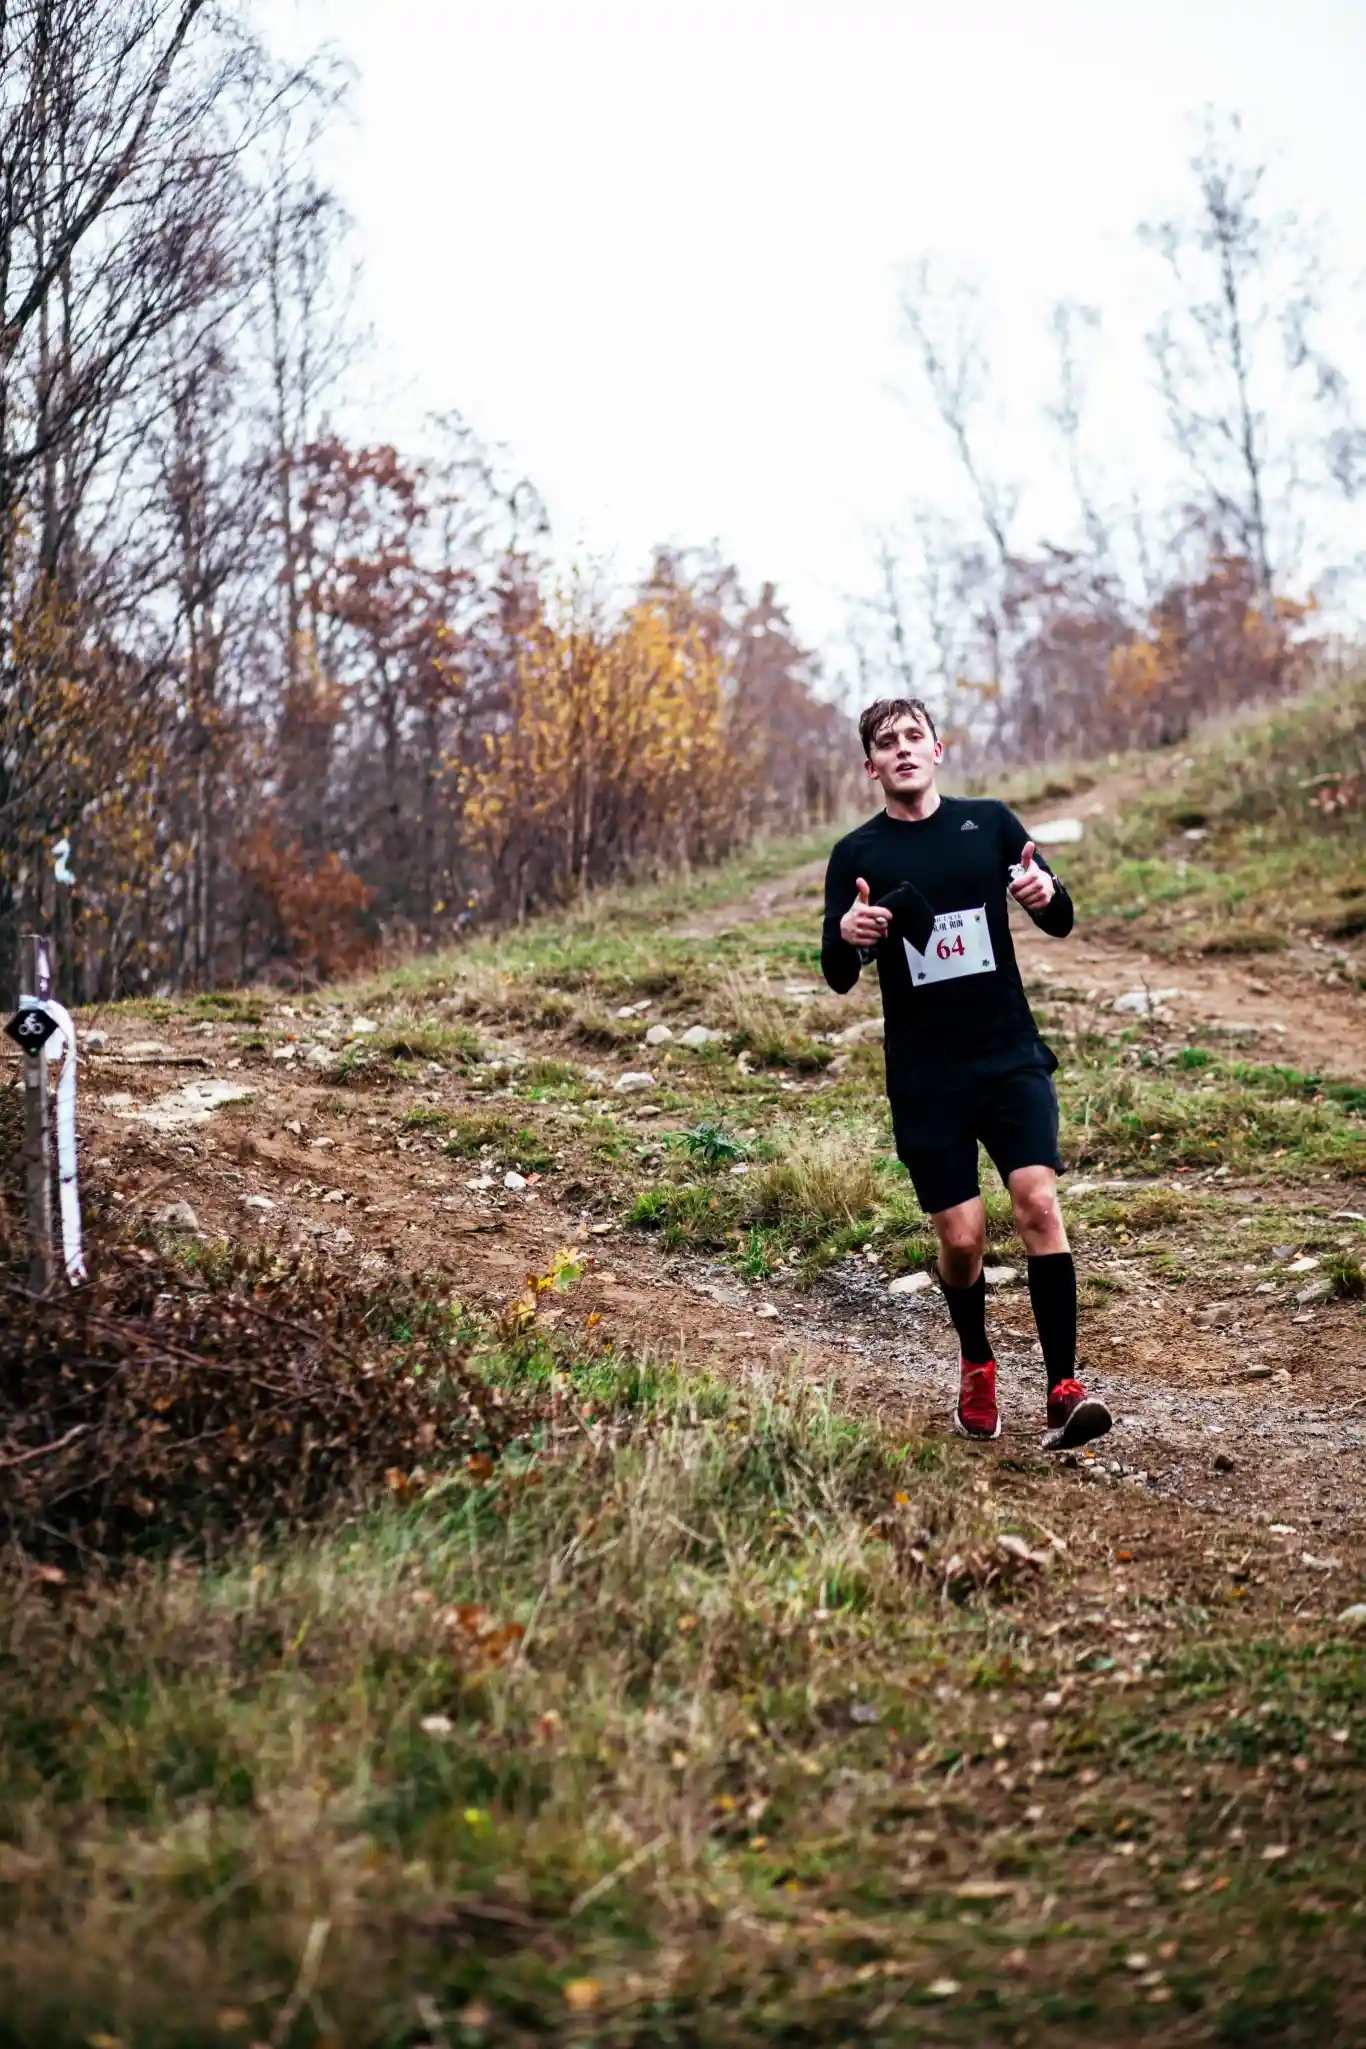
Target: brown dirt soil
x=1273, y=1008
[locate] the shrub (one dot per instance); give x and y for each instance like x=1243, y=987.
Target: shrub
x=160, y=1403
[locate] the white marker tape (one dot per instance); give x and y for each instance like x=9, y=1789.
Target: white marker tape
x=69, y=1193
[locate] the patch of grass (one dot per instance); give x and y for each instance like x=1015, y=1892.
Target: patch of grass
x=761, y=1023
x=1025, y=789
x=1346, y=1276
x=470, y=1133
x=1244, y=939
x=817, y=1194
x=758, y=1255
x=1282, y=1081
x=232, y=1006
x=446, y=1045
x=1276, y=856
x=1133, y=1116
x=1146, y=1209
x=555, y=1077
x=425, y=1117
x=595, y=1026
x=822, y=1180
x=688, y=1213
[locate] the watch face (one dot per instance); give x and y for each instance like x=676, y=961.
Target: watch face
x=31, y=1028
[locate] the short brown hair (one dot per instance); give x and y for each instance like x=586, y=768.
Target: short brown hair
x=880, y=714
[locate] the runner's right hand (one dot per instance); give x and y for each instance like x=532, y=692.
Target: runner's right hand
x=864, y=923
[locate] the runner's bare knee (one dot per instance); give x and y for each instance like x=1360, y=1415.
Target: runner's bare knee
x=1037, y=1211
x=962, y=1240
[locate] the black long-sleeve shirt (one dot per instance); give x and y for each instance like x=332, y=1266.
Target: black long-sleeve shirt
x=956, y=1011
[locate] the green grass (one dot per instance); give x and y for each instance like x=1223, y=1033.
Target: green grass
x=1274, y=862
x=618, y=929
x=1208, y=1114
x=709, y=1715
x=468, y=1134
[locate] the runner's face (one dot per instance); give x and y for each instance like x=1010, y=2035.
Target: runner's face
x=905, y=756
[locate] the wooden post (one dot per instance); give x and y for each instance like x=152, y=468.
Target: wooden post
x=35, y=979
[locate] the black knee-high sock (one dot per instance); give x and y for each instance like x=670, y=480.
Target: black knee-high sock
x=1053, y=1295
x=968, y=1308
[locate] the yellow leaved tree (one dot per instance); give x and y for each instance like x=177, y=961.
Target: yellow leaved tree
x=616, y=752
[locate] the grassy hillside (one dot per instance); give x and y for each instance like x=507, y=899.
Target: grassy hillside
x=556, y=1682
x=1243, y=841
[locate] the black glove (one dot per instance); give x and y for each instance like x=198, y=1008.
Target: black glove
x=912, y=917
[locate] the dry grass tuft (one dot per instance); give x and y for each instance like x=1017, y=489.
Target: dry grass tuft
x=823, y=1178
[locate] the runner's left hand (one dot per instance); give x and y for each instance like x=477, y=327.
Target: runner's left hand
x=1033, y=886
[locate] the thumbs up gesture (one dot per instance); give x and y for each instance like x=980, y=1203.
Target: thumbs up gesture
x=864, y=923
x=1030, y=885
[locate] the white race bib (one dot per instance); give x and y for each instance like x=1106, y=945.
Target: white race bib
x=960, y=944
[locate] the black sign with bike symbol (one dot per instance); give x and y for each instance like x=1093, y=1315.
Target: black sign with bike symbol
x=31, y=1029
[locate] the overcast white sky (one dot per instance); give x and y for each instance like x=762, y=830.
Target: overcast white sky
x=652, y=246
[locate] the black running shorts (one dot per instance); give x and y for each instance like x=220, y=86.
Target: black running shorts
x=1014, y=1115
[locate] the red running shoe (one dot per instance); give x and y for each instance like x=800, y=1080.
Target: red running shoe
x=977, y=1414
x=1074, y=1417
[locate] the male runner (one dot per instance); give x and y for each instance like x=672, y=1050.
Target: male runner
x=922, y=889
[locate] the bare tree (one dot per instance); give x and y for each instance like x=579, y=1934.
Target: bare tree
x=1070, y=321
x=944, y=321
x=1257, y=409
x=120, y=128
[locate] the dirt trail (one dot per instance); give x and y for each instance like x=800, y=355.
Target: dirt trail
x=275, y=1169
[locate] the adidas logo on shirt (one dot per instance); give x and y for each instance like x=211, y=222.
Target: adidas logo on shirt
x=968, y=825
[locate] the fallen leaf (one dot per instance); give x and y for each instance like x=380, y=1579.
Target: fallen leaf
x=582, y=1993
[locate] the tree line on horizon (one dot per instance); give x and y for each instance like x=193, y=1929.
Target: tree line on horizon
x=1156, y=607
x=290, y=697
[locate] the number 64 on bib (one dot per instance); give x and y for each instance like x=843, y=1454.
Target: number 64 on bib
x=960, y=944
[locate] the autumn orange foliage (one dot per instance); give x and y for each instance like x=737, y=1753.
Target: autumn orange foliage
x=617, y=749
x=311, y=916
